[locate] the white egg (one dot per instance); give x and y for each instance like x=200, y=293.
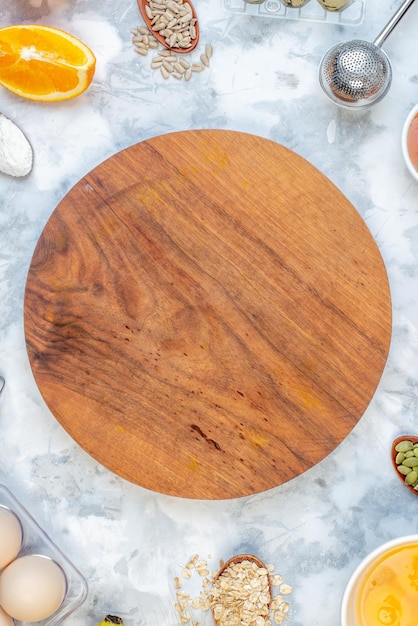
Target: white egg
x=5, y=620
x=11, y=536
x=32, y=588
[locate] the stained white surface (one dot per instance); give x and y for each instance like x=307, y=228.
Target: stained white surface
x=128, y=542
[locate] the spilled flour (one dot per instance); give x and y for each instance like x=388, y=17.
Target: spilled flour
x=16, y=154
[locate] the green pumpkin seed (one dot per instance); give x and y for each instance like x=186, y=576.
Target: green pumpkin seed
x=402, y=469
x=404, y=446
x=399, y=458
x=411, y=478
x=409, y=454
x=411, y=462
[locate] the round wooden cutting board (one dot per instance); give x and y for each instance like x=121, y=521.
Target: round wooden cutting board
x=207, y=315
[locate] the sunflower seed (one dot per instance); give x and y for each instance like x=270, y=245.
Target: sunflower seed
x=175, y=16
x=167, y=66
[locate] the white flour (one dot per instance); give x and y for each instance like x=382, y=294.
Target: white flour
x=16, y=154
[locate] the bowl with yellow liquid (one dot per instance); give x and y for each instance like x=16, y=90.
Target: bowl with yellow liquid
x=383, y=589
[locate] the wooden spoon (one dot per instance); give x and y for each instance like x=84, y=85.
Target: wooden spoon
x=239, y=558
x=142, y=4
x=412, y=439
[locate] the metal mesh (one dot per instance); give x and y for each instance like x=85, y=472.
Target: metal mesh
x=356, y=70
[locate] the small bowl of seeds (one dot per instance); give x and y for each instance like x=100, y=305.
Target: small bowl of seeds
x=405, y=460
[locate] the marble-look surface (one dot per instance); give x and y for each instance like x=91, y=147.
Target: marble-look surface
x=128, y=542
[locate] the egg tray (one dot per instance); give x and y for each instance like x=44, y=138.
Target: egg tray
x=36, y=541
x=350, y=15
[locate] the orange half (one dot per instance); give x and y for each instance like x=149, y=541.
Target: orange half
x=44, y=63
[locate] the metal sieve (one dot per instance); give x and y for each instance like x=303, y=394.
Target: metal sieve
x=357, y=74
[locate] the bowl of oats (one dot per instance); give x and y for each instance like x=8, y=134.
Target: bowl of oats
x=243, y=590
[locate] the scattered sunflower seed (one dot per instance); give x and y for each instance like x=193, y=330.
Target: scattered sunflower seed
x=164, y=72
x=141, y=51
x=166, y=61
x=204, y=59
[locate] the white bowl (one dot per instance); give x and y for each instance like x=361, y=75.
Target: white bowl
x=405, y=152
x=348, y=604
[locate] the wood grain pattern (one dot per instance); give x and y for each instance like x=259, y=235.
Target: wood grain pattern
x=207, y=315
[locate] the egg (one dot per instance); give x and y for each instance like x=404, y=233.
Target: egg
x=11, y=536
x=32, y=588
x=5, y=620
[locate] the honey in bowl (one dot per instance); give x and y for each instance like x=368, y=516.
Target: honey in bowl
x=388, y=593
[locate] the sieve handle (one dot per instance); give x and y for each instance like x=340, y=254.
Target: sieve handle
x=384, y=34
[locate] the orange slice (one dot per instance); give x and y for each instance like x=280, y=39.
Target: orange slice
x=44, y=63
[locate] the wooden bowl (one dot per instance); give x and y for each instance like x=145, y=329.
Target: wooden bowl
x=414, y=440
x=239, y=558
x=143, y=3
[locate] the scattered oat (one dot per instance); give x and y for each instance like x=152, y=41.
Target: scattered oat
x=276, y=580
x=238, y=594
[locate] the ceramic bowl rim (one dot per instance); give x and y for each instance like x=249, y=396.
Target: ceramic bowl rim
x=364, y=564
x=412, y=113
